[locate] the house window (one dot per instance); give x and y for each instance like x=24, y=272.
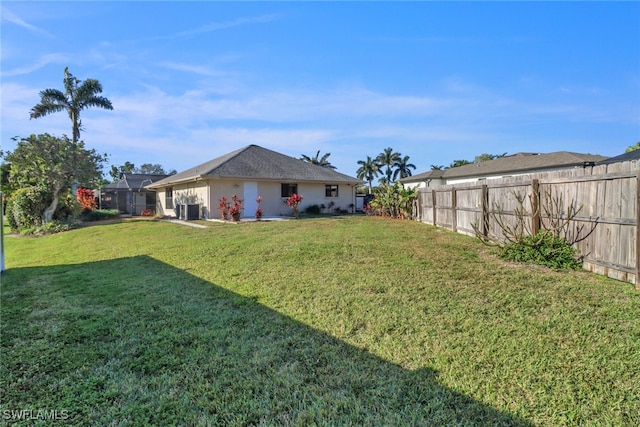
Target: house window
x=287, y=190
x=168, y=198
x=331, y=191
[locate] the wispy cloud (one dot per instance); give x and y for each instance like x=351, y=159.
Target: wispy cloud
x=9, y=16
x=43, y=61
x=195, y=69
x=216, y=26
x=198, y=124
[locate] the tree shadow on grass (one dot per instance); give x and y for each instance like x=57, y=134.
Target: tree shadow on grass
x=135, y=341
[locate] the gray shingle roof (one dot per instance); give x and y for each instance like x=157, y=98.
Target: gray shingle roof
x=254, y=162
x=626, y=157
x=516, y=163
x=432, y=174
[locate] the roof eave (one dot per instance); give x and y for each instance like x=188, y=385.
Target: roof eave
x=160, y=184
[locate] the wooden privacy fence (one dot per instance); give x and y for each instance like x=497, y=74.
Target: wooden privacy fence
x=605, y=226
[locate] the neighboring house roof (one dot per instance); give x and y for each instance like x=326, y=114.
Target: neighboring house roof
x=626, y=157
x=133, y=181
x=515, y=163
x=424, y=176
x=257, y=163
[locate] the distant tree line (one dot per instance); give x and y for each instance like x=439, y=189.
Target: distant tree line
x=146, y=169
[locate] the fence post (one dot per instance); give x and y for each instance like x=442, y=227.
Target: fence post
x=485, y=210
x=433, y=203
x=1, y=236
x=454, y=219
x=535, y=206
x=638, y=232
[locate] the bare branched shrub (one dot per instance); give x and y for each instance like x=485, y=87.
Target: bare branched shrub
x=530, y=216
x=557, y=218
x=538, y=231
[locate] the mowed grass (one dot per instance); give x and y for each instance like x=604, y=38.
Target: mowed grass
x=341, y=321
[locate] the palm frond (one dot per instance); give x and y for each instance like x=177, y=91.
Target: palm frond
x=97, y=101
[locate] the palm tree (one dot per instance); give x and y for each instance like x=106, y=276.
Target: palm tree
x=388, y=158
x=403, y=168
x=317, y=160
x=437, y=167
x=368, y=170
x=77, y=96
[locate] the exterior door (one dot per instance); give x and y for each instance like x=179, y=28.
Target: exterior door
x=250, y=195
x=140, y=203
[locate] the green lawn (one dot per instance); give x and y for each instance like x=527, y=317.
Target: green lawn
x=335, y=321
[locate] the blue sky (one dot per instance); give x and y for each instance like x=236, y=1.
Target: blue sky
x=436, y=81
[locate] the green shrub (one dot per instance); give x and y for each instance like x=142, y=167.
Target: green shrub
x=100, y=214
x=50, y=227
x=313, y=210
x=543, y=249
x=26, y=206
x=68, y=208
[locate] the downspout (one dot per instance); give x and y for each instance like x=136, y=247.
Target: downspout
x=353, y=199
x=209, y=189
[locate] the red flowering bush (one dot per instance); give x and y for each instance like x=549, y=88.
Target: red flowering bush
x=86, y=199
x=223, y=208
x=236, y=209
x=294, y=202
x=259, y=210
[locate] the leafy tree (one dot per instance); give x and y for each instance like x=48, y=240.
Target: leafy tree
x=457, y=163
x=483, y=158
x=5, y=171
x=403, y=167
x=117, y=171
x=54, y=164
x=77, y=96
x=146, y=169
x=486, y=156
x=317, y=160
x=388, y=158
x=153, y=169
x=368, y=170
x=633, y=148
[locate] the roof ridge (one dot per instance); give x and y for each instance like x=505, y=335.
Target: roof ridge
x=256, y=162
x=232, y=155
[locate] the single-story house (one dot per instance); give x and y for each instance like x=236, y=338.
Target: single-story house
x=129, y=195
x=503, y=167
x=250, y=172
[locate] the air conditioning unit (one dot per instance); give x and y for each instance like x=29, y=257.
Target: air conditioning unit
x=191, y=212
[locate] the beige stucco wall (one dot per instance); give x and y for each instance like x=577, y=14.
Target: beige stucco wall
x=434, y=182
x=272, y=204
x=208, y=194
x=190, y=193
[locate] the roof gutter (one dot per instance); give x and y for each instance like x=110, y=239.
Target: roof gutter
x=178, y=181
